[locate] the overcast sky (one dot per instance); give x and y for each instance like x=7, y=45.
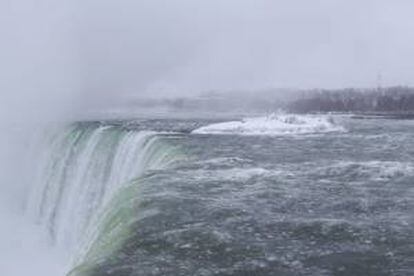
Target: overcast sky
x=192, y=45
x=103, y=48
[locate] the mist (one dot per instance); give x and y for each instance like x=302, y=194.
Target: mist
x=186, y=47
x=60, y=60
x=86, y=52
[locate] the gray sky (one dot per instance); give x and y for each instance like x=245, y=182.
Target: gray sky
x=107, y=49
x=189, y=45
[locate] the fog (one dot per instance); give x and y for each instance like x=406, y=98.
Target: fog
x=182, y=47
x=58, y=59
x=98, y=51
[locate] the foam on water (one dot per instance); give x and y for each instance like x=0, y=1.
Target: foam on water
x=234, y=174
x=368, y=170
x=274, y=125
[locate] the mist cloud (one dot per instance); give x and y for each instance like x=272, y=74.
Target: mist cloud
x=99, y=51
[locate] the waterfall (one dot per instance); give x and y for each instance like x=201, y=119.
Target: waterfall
x=85, y=174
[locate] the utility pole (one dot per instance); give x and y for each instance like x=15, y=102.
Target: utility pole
x=379, y=83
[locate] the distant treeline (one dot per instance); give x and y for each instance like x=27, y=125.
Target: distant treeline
x=391, y=99
x=397, y=99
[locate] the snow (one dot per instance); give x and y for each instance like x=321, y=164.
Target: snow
x=274, y=125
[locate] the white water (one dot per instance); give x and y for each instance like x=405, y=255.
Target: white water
x=374, y=170
x=274, y=125
x=78, y=171
x=81, y=169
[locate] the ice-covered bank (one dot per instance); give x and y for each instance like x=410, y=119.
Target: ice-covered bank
x=275, y=125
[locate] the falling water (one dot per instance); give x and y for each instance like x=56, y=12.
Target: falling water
x=80, y=171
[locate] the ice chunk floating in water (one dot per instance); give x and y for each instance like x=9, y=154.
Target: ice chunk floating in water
x=274, y=125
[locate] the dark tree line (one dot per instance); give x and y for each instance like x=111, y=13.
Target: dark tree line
x=392, y=99
x=397, y=99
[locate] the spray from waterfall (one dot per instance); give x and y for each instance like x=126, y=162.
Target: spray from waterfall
x=82, y=171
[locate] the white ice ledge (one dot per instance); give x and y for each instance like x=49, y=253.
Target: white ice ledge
x=275, y=125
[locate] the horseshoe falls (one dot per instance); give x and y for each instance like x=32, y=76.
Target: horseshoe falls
x=83, y=193
x=289, y=195
x=83, y=170
x=206, y=138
